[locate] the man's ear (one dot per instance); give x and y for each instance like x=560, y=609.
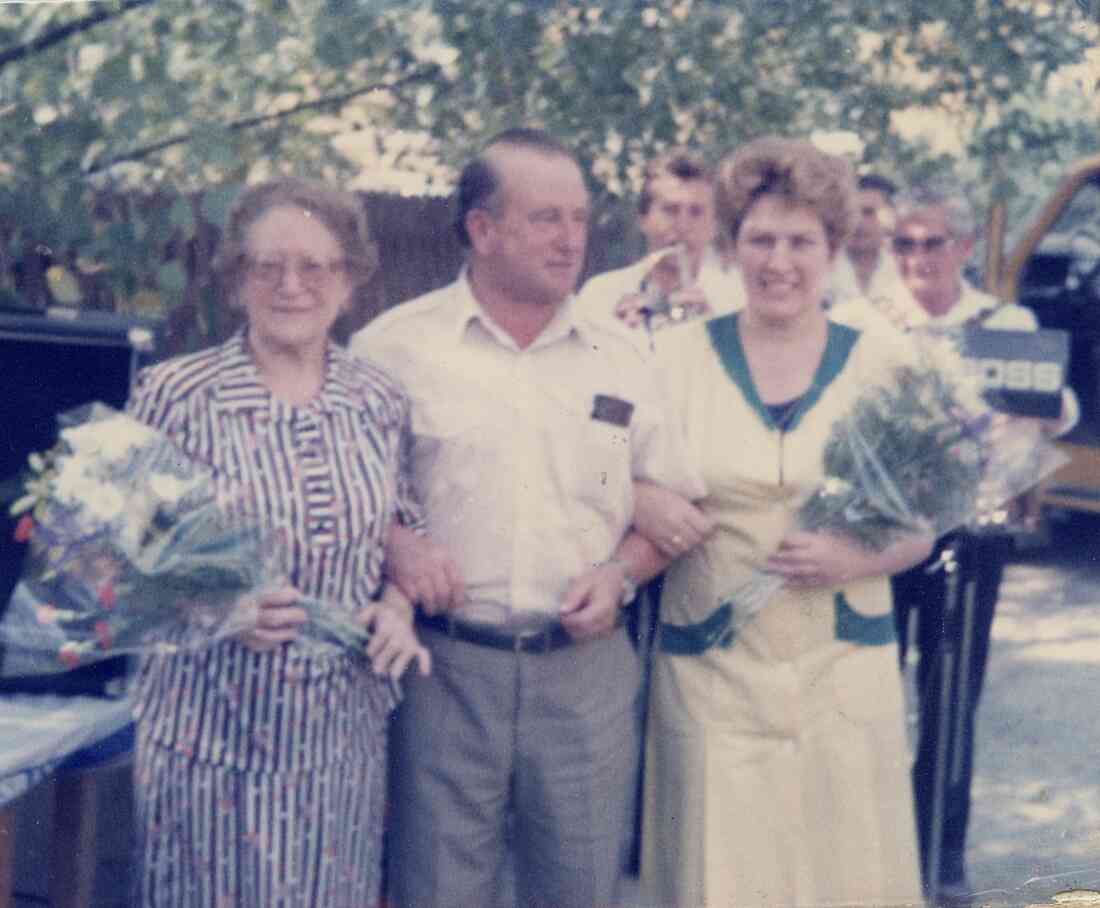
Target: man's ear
x=481, y=227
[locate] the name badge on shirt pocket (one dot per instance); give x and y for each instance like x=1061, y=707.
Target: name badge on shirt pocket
x=612, y=410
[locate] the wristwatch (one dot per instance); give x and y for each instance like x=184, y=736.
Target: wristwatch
x=630, y=588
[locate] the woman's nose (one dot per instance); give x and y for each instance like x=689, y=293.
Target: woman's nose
x=779, y=255
x=290, y=281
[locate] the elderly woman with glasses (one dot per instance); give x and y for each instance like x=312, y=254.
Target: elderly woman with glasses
x=260, y=761
x=776, y=764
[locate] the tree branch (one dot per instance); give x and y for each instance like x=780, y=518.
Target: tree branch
x=145, y=151
x=64, y=32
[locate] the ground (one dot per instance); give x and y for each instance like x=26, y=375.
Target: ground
x=1035, y=824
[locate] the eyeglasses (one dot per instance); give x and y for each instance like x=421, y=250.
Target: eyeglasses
x=906, y=245
x=312, y=274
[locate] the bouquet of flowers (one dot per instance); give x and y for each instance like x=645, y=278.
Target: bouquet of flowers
x=131, y=551
x=920, y=452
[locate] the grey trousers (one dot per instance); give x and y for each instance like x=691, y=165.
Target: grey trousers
x=530, y=752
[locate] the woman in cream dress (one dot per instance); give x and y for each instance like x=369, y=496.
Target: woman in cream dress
x=777, y=770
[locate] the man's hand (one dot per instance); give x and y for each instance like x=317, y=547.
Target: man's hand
x=681, y=304
x=827, y=560
x=629, y=309
x=669, y=521
x=691, y=302
x=591, y=606
x=394, y=644
x=278, y=620
x=423, y=570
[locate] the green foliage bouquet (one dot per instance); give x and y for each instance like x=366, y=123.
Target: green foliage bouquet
x=909, y=456
x=130, y=551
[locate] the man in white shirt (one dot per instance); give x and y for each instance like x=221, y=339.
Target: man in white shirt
x=681, y=276
x=866, y=267
x=530, y=426
x=866, y=274
x=933, y=239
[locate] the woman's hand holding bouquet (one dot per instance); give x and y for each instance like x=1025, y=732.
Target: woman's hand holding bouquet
x=130, y=551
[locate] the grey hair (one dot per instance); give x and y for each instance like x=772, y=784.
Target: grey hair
x=951, y=196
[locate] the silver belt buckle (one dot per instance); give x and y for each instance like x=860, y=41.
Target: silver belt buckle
x=520, y=640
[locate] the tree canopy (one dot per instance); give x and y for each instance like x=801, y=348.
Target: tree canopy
x=127, y=124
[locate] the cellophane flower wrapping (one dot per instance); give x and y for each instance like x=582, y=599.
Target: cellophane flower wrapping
x=130, y=552
x=924, y=450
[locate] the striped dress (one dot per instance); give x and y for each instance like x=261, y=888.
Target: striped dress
x=259, y=776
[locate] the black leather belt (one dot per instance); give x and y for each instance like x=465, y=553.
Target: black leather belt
x=544, y=639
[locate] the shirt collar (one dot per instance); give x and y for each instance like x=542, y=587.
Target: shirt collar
x=240, y=386
x=469, y=315
x=970, y=302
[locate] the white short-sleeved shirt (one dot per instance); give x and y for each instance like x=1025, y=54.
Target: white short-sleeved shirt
x=998, y=316
x=723, y=288
x=973, y=305
x=885, y=281
x=887, y=301
x=524, y=459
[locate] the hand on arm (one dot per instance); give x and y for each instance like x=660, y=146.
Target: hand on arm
x=691, y=299
x=668, y=520
x=393, y=644
x=278, y=620
x=423, y=570
x=592, y=603
x=629, y=309
x=825, y=559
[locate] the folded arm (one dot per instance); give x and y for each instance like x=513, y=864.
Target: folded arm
x=826, y=559
x=665, y=526
x=423, y=570
x=668, y=520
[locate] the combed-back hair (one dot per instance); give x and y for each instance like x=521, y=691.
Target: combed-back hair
x=479, y=182
x=940, y=193
x=682, y=163
x=878, y=183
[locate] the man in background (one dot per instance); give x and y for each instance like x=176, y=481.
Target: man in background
x=933, y=239
x=866, y=272
x=681, y=276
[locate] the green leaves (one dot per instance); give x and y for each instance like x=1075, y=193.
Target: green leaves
x=160, y=100
x=216, y=202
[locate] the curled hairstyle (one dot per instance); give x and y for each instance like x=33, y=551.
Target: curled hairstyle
x=945, y=194
x=682, y=163
x=340, y=212
x=479, y=182
x=795, y=171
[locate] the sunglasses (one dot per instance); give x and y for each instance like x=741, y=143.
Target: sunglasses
x=906, y=245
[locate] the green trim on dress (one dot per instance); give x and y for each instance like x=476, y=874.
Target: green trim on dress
x=716, y=630
x=864, y=630
x=726, y=341
x=695, y=639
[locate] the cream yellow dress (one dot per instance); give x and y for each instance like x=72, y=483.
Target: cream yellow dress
x=777, y=770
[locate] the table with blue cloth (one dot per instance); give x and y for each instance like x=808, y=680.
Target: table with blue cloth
x=42, y=735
